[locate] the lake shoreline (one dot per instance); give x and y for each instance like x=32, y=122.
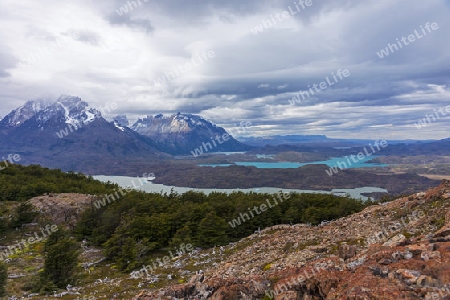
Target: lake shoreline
x=142, y=184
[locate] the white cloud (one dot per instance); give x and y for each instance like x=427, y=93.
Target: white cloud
x=251, y=76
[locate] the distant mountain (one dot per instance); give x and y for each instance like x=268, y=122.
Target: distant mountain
x=180, y=134
x=18, y=116
x=441, y=147
x=275, y=140
x=70, y=135
x=122, y=120
x=317, y=140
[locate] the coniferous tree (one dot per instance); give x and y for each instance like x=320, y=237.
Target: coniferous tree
x=61, y=259
x=212, y=231
x=25, y=214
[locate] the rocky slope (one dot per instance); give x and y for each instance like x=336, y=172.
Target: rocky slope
x=397, y=250
x=62, y=209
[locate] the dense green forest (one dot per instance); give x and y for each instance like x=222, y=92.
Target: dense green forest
x=19, y=183
x=138, y=224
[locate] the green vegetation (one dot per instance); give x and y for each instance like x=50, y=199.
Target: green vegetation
x=19, y=183
x=407, y=234
x=61, y=258
x=438, y=222
x=139, y=224
x=267, y=267
x=25, y=214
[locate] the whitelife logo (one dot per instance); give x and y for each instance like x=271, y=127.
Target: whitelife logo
x=243, y=217
x=25, y=243
x=323, y=85
x=432, y=118
x=225, y=137
x=12, y=158
x=161, y=262
x=107, y=199
x=129, y=7
x=391, y=48
x=386, y=233
x=354, y=159
x=266, y=24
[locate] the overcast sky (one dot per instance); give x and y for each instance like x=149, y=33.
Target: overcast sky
x=98, y=51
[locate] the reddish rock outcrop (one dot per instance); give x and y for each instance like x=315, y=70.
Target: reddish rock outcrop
x=397, y=250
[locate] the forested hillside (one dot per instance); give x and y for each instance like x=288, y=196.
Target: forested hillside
x=139, y=223
x=136, y=226
x=18, y=183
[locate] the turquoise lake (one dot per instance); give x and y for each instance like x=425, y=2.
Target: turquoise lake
x=332, y=162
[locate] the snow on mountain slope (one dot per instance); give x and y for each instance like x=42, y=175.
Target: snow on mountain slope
x=23, y=113
x=182, y=133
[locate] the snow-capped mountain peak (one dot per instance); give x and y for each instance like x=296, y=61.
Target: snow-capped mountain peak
x=122, y=120
x=177, y=123
x=67, y=109
x=18, y=116
x=77, y=111
x=59, y=134
x=180, y=133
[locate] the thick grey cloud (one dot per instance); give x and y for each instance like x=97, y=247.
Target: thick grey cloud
x=151, y=57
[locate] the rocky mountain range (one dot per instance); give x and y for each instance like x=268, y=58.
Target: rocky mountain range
x=183, y=133
x=71, y=135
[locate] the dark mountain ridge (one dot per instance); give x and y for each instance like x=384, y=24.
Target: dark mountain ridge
x=180, y=134
x=69, y=135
